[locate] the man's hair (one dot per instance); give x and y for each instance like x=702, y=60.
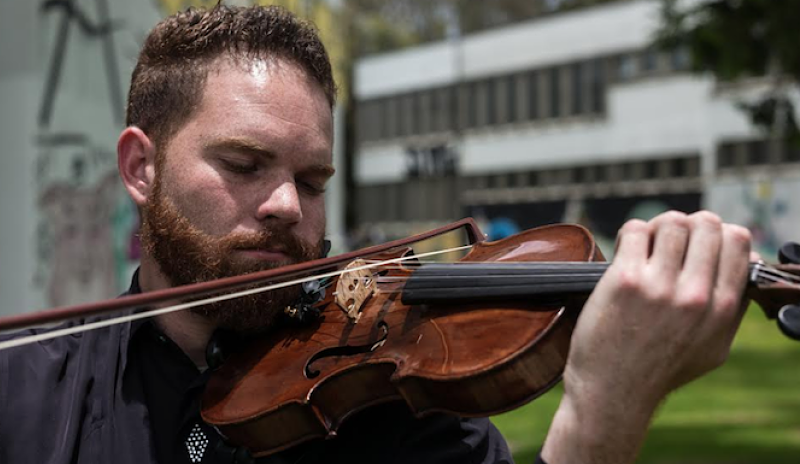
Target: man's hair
x=169, y=78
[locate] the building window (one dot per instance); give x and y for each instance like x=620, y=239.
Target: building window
x=533, y=178
x=678, y=167
x=649, y=61
x=650, y=169
x=472, y=105
x=626, y=67
x=417, y=118
x=533, y=95
x=554, y=78
x=726, y=155
x=490, y=89
x=757, y=153
x=791, y=151
x=436, y=105
x=679, y=59
x=576, y=79
x=597, y=86
x=511, y=99
x=454, y=108
x=403, y=115
x=389, y=114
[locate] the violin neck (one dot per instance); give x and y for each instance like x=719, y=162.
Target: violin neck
x=467, y=282
x=547, y=282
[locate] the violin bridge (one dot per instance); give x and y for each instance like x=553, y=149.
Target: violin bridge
x=354, y=288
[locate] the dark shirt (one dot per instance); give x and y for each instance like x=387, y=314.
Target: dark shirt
x=128, y=394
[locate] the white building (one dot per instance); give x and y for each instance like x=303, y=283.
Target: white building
x=570, y=117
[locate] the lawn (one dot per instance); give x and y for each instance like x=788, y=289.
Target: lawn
x=746, y=412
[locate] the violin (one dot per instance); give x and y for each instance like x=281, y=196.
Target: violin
x=477, y=337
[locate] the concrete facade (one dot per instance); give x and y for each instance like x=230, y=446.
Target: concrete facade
x=655, y=134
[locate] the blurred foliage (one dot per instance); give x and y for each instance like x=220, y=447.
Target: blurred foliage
x=736, y=39
x=385, y=25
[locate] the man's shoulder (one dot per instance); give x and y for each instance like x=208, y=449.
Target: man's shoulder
x=62, y=359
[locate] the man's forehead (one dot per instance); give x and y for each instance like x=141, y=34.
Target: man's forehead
x=262, y=75
x=268, y=82
x=261, y=69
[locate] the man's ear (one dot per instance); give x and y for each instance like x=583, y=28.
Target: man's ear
x=136, y=159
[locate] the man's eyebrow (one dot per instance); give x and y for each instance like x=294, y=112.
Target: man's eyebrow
x=325, y=170
x=241, y=144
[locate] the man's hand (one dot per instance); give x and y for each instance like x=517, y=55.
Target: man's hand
x=665, y=313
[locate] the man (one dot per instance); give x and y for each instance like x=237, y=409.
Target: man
x=226, y=154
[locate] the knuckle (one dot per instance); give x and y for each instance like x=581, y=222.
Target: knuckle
x=694, y=298
x=661, y=295
x=634, y=226
x=628, y=280
x=740, y=235
x=727, y=302
x=706, y=219
x=672, y=217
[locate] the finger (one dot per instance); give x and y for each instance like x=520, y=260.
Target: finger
x=732, y=276
x=670, y=242
x=701, y=264
x=633, y=243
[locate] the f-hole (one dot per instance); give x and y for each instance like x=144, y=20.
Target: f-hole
x=346, y=350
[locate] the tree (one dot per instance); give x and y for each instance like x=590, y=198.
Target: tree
x=734, y=39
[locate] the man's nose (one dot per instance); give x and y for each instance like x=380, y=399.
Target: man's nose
x=281, y=203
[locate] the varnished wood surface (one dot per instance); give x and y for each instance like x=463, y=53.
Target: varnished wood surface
x=468, y=359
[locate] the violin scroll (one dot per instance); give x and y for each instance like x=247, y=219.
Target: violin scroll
x=789, y=315
x=775, y=289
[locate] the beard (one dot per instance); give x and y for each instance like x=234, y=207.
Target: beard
x=187, y=255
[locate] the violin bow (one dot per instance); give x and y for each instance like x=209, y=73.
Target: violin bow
x=209, y=292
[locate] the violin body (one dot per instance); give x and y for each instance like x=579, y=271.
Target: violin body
x=470, y=358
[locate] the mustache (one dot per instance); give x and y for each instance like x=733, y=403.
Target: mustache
x=273, y=239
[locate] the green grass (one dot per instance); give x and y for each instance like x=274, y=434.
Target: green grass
x=746, y=412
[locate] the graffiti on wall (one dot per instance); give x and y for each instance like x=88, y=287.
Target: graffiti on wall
x=767, y=207
x=86, y=228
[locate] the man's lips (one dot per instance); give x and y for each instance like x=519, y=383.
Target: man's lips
x=263, y=255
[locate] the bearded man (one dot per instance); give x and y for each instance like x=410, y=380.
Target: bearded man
x=226, y=154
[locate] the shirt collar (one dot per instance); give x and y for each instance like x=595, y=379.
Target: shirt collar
x=135, y=289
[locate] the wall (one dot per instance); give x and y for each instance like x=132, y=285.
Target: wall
x=67, y=228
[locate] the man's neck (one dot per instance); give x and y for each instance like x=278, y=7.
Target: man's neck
x=190, y=331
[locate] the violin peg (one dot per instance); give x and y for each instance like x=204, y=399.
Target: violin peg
x=215, y=355
x=789, y=321
x=789, y=253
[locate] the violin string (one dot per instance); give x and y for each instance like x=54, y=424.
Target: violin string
x=768, y=273
x=778, y=279
x=15, y=342
x=764, y=271
x=589, y=277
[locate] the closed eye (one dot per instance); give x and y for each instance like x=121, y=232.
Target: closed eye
x=311, y=188
x=239, y=167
